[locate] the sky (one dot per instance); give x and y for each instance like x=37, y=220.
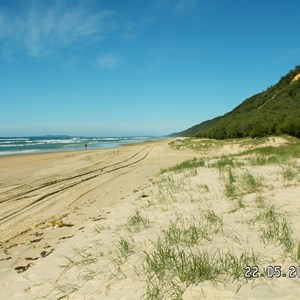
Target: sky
x=137, y=67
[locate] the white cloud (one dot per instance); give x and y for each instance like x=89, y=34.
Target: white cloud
x=42, y=29
x=108, y=61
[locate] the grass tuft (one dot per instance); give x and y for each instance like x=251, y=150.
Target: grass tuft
x=189, y=164
x=191, y=232
x=125, y=247
x=289, y=174
x=276, y=229
x=223, y=162
x=170, y=268
x=137, y=222
x=250, y=183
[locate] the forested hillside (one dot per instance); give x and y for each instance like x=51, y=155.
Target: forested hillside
x=275, y=111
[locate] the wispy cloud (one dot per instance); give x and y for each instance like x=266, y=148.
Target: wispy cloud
x=178, y=5
x=108, y=61
x=182, y=5
x=42, y=29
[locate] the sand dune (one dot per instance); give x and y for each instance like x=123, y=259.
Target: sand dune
x=122, y=229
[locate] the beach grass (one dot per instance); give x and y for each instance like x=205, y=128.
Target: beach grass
x=66, y=289
x=191, y=229
x=176, y=269
x=124, y=248
x=289, y=173
x=189, y=164
x=276, y=229
x=250, y=183
x=223, y=163
x=137, y=222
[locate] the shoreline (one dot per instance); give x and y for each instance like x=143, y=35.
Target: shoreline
x=67, y=153
x=105, y=145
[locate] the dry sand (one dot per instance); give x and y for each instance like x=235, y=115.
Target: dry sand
x=79, y=187
x=100, y=253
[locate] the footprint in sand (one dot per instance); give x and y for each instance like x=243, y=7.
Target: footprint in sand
x=21, y=269
x=36, y=240
x=99, y=218
x=66, y=237
x=46, y=253
x=6, y=258
x=31, y=258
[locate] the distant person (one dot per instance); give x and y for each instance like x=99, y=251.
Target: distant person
x=85, y=146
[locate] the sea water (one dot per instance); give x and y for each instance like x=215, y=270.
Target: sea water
x=38, y=144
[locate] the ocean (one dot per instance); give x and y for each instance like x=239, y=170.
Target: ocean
x=39, y=144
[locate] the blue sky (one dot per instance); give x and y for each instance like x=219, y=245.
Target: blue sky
x=137, y=67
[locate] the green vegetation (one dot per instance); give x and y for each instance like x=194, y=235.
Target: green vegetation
x=125, y=247
x=191, y=232
x=189, y=164
x=276, y=229
x=273, y=155
x=230, y=190
x=275, y=111
x=170, y=267
x=250, y=183
x=137, y=222
x=100, y=228
x=208, y=219
x=171, y=270
x=223, y=162
x=289, y=174
x=260, y=201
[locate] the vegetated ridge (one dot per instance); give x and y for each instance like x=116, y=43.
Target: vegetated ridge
x=275, y=111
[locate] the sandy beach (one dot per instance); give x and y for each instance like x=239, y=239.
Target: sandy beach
x=37, y=187
x=79, y=187
x=96, y=224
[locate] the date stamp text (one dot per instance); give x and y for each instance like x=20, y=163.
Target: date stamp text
x=271, y=272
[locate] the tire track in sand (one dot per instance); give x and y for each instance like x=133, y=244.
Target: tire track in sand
x=54, y=187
